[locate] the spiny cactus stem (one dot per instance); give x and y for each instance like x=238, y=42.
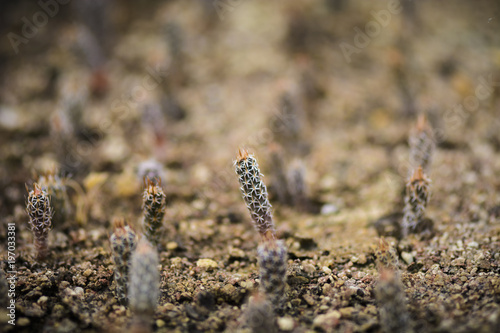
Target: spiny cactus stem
x=254, y=193
x=153, y=209
x=123, y=242
x=40, y=218
x=416, y=199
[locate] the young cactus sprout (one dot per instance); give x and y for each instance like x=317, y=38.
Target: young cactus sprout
x=416, y=199
x=56, y=188
x=297, y=184
x=40, y=214
x=153, y=207
x=144, y=288
x=390, y=295
x=255, y=194
x=422, y=144
x=387, y=256
x=272, y=253
x=123, y=242
x=272, y=256
x=259, y=315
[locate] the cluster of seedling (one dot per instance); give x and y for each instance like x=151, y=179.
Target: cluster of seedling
x=136, y=262
x=136, y=273
x=389, y=290
x=136, y=257
x=48, y=205
x=272, y=253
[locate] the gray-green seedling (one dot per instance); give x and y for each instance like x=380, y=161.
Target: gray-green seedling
x=421, y=144
x=416, y=200
x=272, y=256
x=297, y=184
x=144, y=288
x=391, y=300
x=153, y=206
x=40, y=219
x=259, y=315
x=272, y=253
x=123, y=242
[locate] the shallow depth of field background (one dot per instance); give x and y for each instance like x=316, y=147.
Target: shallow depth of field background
x=101, y=86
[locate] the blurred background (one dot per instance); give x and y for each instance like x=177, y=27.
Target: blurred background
x=326, y=90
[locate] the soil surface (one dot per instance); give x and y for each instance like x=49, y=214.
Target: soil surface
x=323, y=93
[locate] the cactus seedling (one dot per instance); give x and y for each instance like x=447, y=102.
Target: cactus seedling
x=416, y=199
x=144, y=288
x=254, y=193
x=272, y=253
x=153, y=209
x=56, y=188
x=40, y=213
x=394, y=316
x=123, y=242
x=297, y=184
x=386, y=255
x=272, y=256
x=422, y=144
x=259, y=315
x=279, y=183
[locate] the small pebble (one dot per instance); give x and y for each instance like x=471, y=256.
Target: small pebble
x=308, y=268
x=43, y=300
x=458, y=262
x=329, y=209
x=309, y=299
x=207, y=264
x=473, y=245
x=172, y=246
x=286, y=323
x=79, y=291
x=327, y=321
x=23, y=321
x=407, y=257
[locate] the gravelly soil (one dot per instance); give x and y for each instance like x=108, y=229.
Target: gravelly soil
x=186, y=85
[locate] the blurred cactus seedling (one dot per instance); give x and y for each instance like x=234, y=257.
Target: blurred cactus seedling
x=56, y=188
x=391, y=300
x=153, y=206
x=416, y=199
x=421, y=144
x=40, y=215
x=144, y=288
x=123, y=242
